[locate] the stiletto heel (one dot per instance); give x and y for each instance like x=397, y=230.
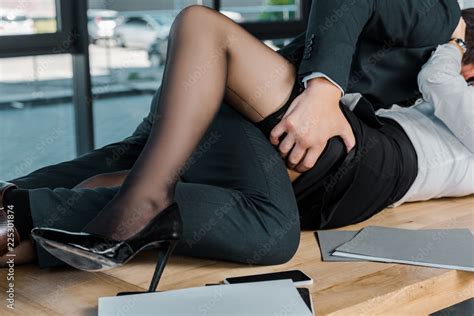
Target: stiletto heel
x=90, y=252
x=163, y=256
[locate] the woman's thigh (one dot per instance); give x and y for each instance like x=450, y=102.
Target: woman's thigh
x=258, y=81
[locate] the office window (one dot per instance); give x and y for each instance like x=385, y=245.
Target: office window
x=36, y=117
x=45, y=63
x=27, y=17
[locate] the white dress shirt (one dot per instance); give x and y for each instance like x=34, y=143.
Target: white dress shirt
x=441, y=128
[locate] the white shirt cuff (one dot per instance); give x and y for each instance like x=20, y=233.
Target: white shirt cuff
x=320, y=75
x=351, y=100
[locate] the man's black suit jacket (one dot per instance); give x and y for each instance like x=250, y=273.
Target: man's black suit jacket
x=374, y=47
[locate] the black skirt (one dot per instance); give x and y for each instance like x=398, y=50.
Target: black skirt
x=346, y=188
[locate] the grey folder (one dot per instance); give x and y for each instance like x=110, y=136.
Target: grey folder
x=329, y=240
x=439, y=248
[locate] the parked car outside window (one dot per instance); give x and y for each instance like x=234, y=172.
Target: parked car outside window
x=140, y=31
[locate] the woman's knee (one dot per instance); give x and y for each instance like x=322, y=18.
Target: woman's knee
x=192, y=17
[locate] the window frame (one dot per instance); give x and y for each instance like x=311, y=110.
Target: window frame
x=60, y=42
x=276, y=29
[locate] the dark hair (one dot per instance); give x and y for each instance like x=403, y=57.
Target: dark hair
x=468, y=16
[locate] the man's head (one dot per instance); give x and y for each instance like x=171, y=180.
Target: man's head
x=468, y=61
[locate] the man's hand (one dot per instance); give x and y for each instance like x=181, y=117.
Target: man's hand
x=312, y=119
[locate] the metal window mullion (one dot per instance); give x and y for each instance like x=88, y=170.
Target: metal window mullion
x=82, y=87
x=216, y=4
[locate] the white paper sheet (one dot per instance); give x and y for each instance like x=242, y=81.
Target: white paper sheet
x=260, y=298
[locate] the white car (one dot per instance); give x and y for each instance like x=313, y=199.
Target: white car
x=15, y=23
x=142, y=30
x=101, y=24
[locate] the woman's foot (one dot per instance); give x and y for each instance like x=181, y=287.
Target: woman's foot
x=122, y=220
x=91, y=252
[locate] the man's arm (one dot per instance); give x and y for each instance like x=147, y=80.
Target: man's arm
x=343, y=22
x=442, y=85
x=333, y=32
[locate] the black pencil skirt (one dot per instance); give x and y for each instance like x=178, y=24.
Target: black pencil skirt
x=346, y=188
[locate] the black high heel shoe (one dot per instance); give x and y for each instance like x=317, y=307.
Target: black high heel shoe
x=90, y=252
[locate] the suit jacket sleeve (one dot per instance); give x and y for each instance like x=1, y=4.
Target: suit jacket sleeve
x=333, y=31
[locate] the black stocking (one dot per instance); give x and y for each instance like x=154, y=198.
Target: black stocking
x=209, y=58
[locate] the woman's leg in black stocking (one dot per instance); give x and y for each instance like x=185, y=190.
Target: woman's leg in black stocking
x=209, y=58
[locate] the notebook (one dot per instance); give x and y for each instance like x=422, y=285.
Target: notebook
x=438, y=248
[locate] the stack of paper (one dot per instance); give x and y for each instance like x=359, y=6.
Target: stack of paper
x=260, y=298
x=439, y=248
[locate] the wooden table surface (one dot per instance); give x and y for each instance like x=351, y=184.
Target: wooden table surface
x=340, y=288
